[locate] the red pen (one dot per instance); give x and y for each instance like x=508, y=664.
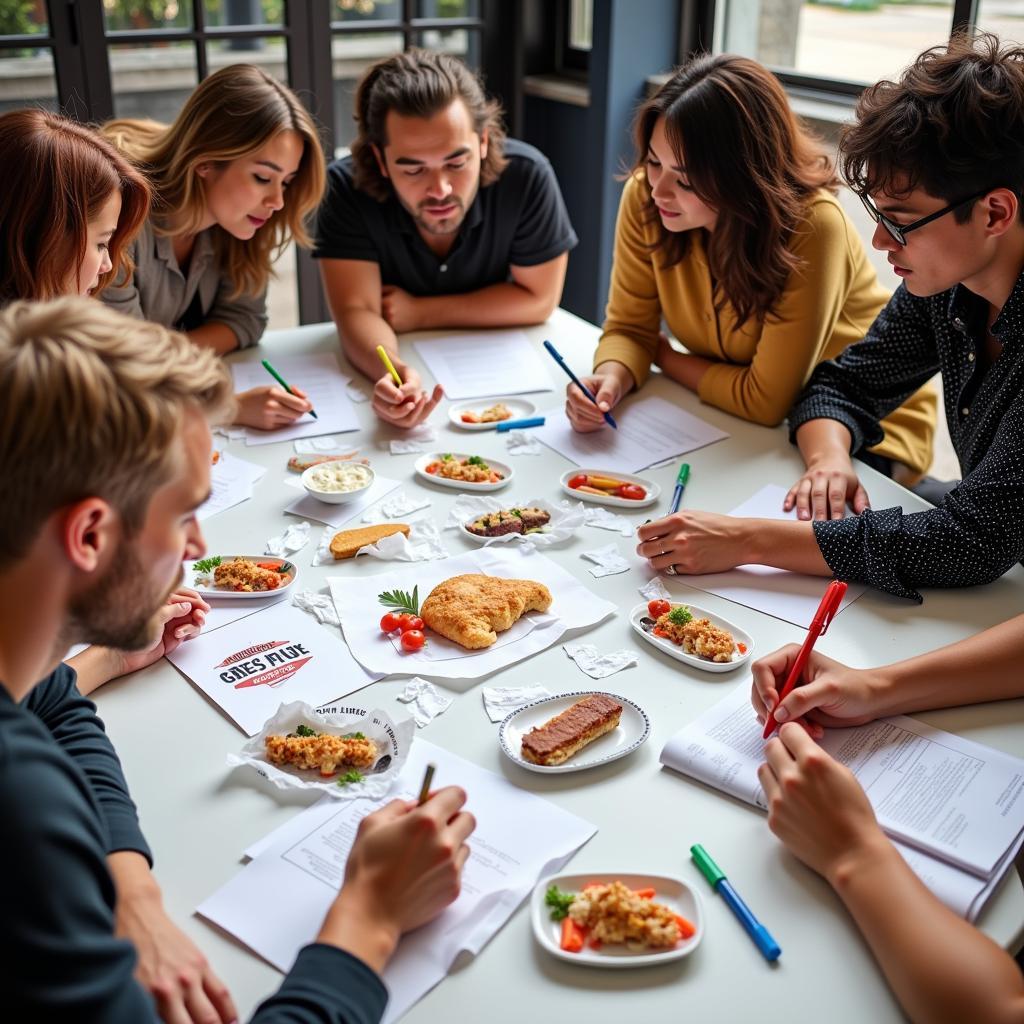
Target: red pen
x=826, y=612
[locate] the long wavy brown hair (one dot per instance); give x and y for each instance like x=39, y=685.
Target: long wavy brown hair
x=729, y=124
x=60, y=174
x=231, y=115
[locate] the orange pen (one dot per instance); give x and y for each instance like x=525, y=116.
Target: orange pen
x=834, y=594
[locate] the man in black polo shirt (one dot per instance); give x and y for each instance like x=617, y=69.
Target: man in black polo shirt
x=435, y=220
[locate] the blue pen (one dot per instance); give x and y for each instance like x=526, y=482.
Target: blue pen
x=769, y=948
x=677, y=495
x=572, y=376
x=533, y=421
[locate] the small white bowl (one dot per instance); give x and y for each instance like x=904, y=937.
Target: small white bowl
x=335, y=497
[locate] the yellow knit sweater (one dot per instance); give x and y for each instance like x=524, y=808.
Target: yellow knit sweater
x=759, y=369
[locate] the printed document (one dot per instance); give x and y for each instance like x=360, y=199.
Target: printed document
x=483, y=365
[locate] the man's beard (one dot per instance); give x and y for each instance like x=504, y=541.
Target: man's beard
x=450, y=224
x=119, y=609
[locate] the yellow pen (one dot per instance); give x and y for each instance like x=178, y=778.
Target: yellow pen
x=388, y=365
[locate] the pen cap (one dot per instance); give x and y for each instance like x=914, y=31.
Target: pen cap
x=708, y=868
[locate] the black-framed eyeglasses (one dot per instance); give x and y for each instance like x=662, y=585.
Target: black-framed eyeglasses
x=899, y=231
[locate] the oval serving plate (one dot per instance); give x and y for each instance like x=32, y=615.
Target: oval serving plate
x=672, y=892
x=519, y=407
x=741, y=636
x=209, y=591
x=463, y=485
x=653, y=490
x=633, y=729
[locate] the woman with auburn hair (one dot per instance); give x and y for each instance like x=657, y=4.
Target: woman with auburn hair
x=729, y=229
x=235, y=178
x=78, y=205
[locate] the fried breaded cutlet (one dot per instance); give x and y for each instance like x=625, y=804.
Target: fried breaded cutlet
x=472, y=609
x=326, y=753
x=243, y=575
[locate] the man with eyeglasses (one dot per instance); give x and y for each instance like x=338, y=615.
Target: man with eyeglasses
x=938, y=160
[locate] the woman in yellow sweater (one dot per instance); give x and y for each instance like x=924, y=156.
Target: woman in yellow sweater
x=730, y=231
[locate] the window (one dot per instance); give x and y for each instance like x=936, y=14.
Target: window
x=27, y=76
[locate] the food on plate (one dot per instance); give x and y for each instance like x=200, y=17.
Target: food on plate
x=510, y=520
x=214, y=457
x=495, y=414
x=695, y=636
x=347, y=543
x=472, y=609
x=613, y=913
x=246, y=576
x=300, y=463
x=339, y=477
x=404, y=619
x=306, y=748
x=470, y=470
x=658, y=607
x=607, y=487
x=566, y=734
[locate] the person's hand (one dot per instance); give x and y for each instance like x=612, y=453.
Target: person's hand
x=828, y=484
x=816, y=806
x=404, y=868
x=170, y=966
x=181, y=618
x=829, y=694
x=583, y=414
x=269, y=407
x=398, y=308
x=693, y=542
x=404, y=406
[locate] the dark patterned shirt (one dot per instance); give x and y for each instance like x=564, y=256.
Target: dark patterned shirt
x=977, y=533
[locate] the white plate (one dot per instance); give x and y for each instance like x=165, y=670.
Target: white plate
x=462, y=485
x=519, y=407
x=672, y=892
x=211, y=592
x=653, y=490
x=674, y=651
x=505, y=538
x=633, y=729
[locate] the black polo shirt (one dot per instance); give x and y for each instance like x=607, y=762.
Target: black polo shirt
x=519, y=220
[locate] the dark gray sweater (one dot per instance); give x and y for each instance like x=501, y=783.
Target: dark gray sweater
x=64, y=806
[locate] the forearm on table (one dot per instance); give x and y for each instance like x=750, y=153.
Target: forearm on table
x=621, y=373
x=939, y=967
x=782, y=543
x=821, y=438
x=685, y=368
x=95, y=666
x=361, y=331
x=498, y=305
x=219, y=337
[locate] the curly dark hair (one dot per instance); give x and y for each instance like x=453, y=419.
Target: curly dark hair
x=420, y=83
x=953, y=125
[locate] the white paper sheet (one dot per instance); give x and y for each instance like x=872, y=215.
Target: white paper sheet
x=790, y=596
x=231, y=483
x=336, y=515
x=252, y=666
x=650, y=430
x=953, y=806
x=481, y=365
x=573, y=607
x=225, y=610
x=323, y=382
x=276, y=904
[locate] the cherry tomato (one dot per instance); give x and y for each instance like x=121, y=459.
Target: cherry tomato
x=433, y=468
x=632, y=492
x=579, y=480
x=413, y=639
x=658, y=608
x=407, y=621
x=389, y=623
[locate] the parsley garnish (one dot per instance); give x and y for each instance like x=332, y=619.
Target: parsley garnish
x=476, y=460
x=680, y=615
x=447, y=457
x=350, y=776
x=354, y=736
x=304, y=730
x=401, y=599
x=517, y=512
x=206, y=565
x=559, y=902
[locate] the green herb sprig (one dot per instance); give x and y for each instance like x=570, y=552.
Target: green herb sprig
x=680, y=615
x=349, y=777
x=476, y=460
x=304, y=730
x=559, y=902
x=402, y=599
x=206, y=565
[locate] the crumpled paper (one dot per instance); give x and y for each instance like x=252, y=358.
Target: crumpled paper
x=603, y=519
x=519, y=442
x=500, y=701
x=423, y=544
x=425, y=701
x=355, y=392
x=655, y=590
x=393, y=740
x=329, y=445
x=597, y=666
x=231, y=433
x=295, y=538
x=320, y=606
x=413, y=440
x=607, y=561
x=565, y=520
x=398, y=506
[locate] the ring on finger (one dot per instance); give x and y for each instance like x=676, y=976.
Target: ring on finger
x=670, y=570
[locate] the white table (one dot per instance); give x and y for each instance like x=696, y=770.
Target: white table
x=199, y=816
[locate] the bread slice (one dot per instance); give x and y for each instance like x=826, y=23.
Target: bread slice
x=347, y=543
x=566, y=734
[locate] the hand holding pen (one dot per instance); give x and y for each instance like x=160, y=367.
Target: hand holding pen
x=402, y=402
x=602, y=405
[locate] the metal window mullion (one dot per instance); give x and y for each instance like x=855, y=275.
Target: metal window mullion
x=199, y=24
x=965, y=14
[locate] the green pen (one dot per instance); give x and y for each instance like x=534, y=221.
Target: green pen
x=280, y=380
x=677, y=497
